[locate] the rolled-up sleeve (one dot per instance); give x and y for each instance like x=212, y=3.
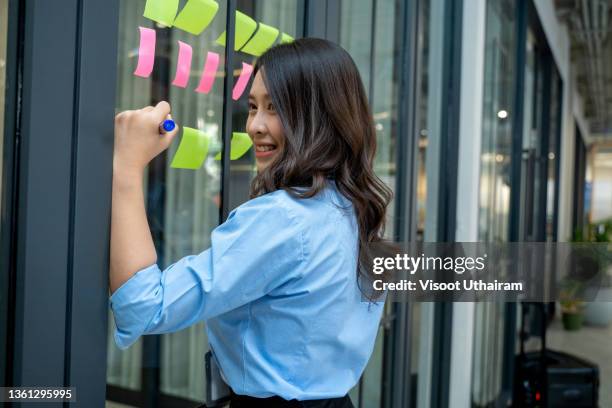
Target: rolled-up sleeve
x=260, y=247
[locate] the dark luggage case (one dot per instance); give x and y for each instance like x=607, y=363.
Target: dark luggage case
x=549, y=378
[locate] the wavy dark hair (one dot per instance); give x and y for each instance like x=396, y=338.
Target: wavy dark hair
x=319, y=97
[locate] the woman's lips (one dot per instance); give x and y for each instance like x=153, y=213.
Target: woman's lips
x=261, y=153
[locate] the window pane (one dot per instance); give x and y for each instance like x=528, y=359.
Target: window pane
x=367, y=32
x=498, y=120
x=192, y=201
x=182, y=204
x=280, y=14
x=432, y=52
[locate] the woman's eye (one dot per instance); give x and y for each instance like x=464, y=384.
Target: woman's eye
x=271, y=107
x=252, y=107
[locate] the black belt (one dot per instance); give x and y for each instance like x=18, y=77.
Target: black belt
x=245, y=401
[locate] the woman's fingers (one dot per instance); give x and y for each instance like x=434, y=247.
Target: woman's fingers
x=161, y=111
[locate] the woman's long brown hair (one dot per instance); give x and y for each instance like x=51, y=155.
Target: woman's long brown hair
x=329, y=131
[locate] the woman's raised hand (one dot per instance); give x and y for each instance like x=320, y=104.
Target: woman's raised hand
x=138, y=139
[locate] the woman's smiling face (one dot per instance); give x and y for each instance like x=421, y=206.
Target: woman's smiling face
x=263, y=124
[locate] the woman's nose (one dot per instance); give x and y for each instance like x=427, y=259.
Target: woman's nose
x=257, y=124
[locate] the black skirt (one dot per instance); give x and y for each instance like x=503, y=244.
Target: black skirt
x=244, y=401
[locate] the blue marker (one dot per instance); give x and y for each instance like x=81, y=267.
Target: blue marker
x=167, y=126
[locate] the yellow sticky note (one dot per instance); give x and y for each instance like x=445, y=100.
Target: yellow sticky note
x=261, y=41
x=161, y=11
x=286, y=38
x=245, y=27
x=241, y=143
x=192, y=150
x=196, y=16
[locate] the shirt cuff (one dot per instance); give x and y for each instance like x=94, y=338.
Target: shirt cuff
x=134, y=304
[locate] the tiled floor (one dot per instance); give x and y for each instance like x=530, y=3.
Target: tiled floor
x=591, y=343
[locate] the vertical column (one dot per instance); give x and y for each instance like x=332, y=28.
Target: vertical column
x=45, y=142
x=91, y=180
x=468, y=176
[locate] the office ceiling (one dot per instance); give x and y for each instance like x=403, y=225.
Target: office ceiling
x=590, y=27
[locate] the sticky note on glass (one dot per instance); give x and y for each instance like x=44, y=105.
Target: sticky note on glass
x=146, y=52
x=243, y=80
x=261, y=41
x=161, y=11
x=286, y=38
x=183, y=65
x=245, y=27
x=192, y=150
x=196, y=16
x=241, y=143
x=208, y=75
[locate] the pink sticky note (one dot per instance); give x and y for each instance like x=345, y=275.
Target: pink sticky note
x=208, y=75
x=183, y=65
x=243, y=80
x=146, y=52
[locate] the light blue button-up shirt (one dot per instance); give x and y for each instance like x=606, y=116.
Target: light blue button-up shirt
x=278, y=292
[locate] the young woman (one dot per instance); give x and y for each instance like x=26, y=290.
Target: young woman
x=278, y=288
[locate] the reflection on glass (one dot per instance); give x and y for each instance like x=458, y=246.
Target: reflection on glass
x=497, y=121
x=530, y=126
x=494, y=208
x=553, y=156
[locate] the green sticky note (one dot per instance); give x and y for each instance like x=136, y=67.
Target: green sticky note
x=196, y=16
x=192, y=150
x=245, y=27
x=261, y=41
x=286, y=38
x=161, y=11
x=241, y=143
